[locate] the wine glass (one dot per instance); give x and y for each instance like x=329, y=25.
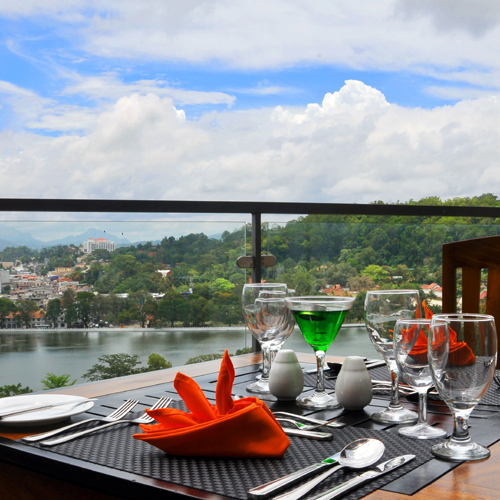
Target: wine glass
x=462, y=357
x=410, y=349
x=382, y=309
x=269, y=320
x=319, y=320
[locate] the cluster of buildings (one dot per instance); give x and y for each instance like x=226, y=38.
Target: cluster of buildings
x=23, y=282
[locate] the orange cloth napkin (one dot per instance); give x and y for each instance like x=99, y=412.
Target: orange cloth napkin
x=460, y=353
x=244, y=428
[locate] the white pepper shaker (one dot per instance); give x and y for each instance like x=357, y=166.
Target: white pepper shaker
x=286, y=380
x=354, y=385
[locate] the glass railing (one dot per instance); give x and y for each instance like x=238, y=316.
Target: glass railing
x=171, y=287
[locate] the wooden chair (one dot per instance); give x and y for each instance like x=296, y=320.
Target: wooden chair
x=472, y=256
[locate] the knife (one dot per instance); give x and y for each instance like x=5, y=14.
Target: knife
x=353, y=483
x=268, y=489
x=75, y=402
x=319, y=436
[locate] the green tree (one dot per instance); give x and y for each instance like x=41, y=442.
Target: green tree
x=52, y=381
x=157, y=362
x=26, y=309
x=83, y=303
x=13, y=390
x=113, y=365
x=53, y=311
x=7, y=307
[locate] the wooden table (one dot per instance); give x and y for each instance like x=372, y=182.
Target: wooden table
x=31, y=476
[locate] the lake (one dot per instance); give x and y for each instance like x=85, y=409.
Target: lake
x=26, y=358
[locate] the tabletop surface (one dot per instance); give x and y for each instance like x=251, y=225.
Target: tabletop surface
x=466, y=480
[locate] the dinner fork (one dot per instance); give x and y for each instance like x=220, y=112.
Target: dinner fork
x=143, y=419
x=120, y=412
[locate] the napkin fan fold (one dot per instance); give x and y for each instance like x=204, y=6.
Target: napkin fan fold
x=244, y=428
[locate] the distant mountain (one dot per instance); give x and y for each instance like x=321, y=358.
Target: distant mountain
x=10, y=237
x=89, y=233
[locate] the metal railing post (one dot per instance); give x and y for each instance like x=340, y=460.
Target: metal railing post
x=257, y=254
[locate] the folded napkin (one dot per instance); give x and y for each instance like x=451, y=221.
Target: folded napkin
x=244, y=428
x=460, y=353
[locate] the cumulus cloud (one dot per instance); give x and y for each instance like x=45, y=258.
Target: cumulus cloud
x=352, y=147
x=458, y=36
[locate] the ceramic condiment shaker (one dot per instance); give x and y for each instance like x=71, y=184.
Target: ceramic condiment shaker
x=354, y=385
x=286, y=379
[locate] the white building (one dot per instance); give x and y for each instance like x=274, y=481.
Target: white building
x=98, y=244
x=4, y=278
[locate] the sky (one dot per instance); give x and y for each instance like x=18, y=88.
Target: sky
x=296, y=101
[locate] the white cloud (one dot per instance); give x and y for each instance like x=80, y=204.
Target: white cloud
x=460, y=37
x=353, y=147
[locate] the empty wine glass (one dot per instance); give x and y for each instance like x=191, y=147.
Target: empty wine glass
x=269, y=321
x=382, y=309
x=462, y=356
x=410, y=349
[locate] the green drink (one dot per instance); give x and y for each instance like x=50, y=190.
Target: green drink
x=320, y=327
x=319, y=319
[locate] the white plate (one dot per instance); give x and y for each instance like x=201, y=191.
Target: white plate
x=42, y=417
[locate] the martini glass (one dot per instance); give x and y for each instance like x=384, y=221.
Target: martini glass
x=382, y=309
x=319, y=320
x=269, y=321
x=462, y=357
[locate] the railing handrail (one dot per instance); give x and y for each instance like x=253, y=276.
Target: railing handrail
x=239, y=207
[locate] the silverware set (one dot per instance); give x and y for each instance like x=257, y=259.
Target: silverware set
x=358, y=454
x=113, y=419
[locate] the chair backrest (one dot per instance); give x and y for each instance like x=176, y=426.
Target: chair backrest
x=472, y=256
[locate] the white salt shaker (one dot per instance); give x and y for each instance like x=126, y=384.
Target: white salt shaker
x=286, y=379
x=354, y=385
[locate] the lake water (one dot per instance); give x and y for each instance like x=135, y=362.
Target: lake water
x=26, y=358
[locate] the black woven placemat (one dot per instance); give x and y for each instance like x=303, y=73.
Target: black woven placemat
x=116, y=448
x=491, y=398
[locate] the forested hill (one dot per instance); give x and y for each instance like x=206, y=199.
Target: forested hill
x=357, y=252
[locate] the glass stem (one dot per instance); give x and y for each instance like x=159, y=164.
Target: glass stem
x=422, y=407
x=320, y=374
x=461, y=426
x=394, y=384
x=266, y=362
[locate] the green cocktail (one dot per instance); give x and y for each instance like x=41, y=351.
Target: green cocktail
x=320, y=328
x=319, y=320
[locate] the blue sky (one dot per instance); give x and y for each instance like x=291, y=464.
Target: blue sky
x=328, y=101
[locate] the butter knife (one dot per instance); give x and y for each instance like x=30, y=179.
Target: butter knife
x=14, y=413
x=353, y=483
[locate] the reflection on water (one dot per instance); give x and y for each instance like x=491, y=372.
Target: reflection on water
x=27, y=357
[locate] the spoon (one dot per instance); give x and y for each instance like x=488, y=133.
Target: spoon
x=357, y=455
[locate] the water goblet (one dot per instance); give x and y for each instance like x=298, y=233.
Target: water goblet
x=382, y=309
x=462, y=356
x=410, y=349
x=319, y=320
x=269, y=320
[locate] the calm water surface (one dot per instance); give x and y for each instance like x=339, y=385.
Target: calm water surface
x=26, y=358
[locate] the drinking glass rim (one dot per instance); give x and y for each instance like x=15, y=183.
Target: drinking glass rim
x=319, y=299
x=396, y=291
x=418, y=321
x=465, y=317
x=268, y=285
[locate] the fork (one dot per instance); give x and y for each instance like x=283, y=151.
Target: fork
x=120, y=412
x=309, y=427
x=143, y=419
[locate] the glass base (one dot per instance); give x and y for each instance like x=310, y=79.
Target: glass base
x=259, y=387
x=456, y=451
x=318, y=401
x=395, y=415
x=422, y=431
